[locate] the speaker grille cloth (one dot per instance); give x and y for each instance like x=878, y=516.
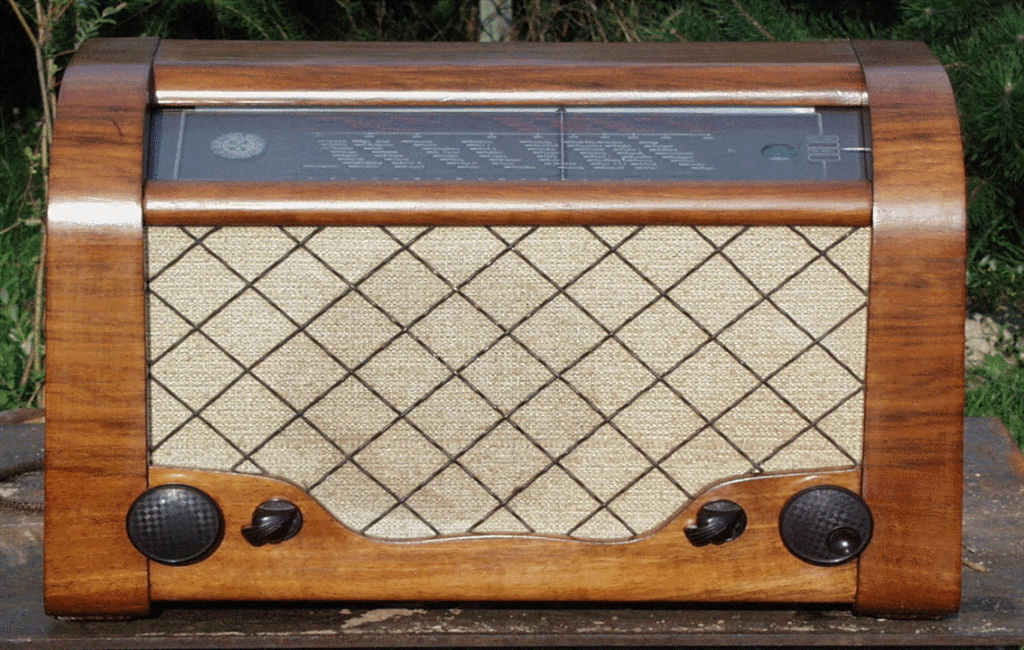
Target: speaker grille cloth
x=582, y=381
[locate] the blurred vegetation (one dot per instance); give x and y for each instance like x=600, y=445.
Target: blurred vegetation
x=20, y=242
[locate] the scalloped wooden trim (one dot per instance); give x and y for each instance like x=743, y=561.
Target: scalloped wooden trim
x=327, y=561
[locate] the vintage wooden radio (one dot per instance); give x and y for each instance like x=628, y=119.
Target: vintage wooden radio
x=546, y=322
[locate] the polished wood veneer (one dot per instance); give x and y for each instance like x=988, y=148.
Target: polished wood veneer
x=97, y=454
x=95, y=331
x=593, y=203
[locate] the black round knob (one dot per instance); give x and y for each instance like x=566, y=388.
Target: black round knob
x=175, y=524
x=718, y=522
x=273, y=522
x=826, y=525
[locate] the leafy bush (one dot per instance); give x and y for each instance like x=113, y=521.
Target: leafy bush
x=20, y=238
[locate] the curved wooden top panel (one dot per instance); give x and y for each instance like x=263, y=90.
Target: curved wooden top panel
x=192, y=73
x=219, y=203
x=96, y=351
x=914, y=398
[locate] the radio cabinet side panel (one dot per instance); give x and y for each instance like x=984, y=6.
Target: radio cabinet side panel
x=96, y=452
x=914, y=401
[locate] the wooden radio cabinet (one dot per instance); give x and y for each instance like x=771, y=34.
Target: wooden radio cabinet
x=545, y=322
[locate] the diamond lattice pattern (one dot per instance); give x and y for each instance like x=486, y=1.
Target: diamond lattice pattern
x=450, y=380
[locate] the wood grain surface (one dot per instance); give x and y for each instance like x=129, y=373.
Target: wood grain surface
x=209, y=203
x=195, y=73
x=96, y=391
x=327, y=561
x=913, y=444
x=96, y=442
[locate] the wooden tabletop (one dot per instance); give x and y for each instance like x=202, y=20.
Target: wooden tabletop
x=992, y=611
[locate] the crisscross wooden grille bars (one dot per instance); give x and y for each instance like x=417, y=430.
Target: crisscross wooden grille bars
x=575, y=381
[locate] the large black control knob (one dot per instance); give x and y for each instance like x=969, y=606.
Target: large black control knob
x=273, y=522
x=826, y=525
x=717, y=522
x=175, y=524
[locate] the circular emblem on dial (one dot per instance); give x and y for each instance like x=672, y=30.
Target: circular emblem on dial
x=238, y=146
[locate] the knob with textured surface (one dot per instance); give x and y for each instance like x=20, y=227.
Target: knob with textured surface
x=825, y=525
x=273, y=522
x=175, y=524
x=717, y=522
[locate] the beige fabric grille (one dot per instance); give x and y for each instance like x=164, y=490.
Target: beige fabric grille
x=557, y=380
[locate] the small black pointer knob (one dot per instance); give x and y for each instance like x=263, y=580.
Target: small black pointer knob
x=273, y=522
x=717, y=522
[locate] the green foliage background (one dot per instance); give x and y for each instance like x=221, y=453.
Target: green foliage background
x=981, y=43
